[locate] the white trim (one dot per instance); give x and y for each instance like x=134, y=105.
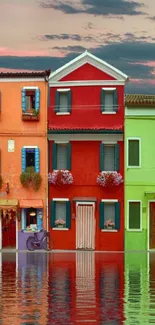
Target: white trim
x=63, y=90
x=127, y=156
x=134, y=230
x=109, y=142
x=17, y=232
x=60, y=228
x=87, y=57
x=109, y=89
x=63, y=113
x=86, y=137
x=30, y=87
x=148, y=225
x=0, y=229
x=21, y=79
x=108, y=113
x=109, y=200
x=60, y=199
x=85, y=203
x=30, y=147
x=61, y=142
x=86, y=83
x=109, y=230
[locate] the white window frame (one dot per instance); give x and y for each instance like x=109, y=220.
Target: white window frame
x=63, y=90
x=133, y=138
x=134, y=230
x=112, y=90
x=60, y=200
x=109, y=201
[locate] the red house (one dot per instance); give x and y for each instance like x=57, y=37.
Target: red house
x=86, y=155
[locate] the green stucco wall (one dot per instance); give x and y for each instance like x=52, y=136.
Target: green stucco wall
x=140, y=180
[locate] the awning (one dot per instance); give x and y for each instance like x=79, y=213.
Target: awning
x=8, y=204
x=84, y=199
x=38, y=204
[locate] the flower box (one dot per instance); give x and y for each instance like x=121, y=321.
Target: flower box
x=109, y=224
x=60, y=226
x=60, y=177
x=109, y=179
x=60, y=223
x=30, y=117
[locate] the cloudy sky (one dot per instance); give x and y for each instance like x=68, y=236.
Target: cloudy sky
x=45, y=34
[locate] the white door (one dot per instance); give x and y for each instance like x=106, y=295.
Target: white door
x=85, y=227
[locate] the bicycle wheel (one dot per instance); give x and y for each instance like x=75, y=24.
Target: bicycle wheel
x=30, y=243
x=47, y=243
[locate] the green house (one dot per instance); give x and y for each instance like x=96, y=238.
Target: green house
x=139, y=172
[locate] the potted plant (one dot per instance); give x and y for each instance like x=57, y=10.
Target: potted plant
x=109, y=179
x=60, y=223
x=109, y=224
x=31, y=178
x=60, y=177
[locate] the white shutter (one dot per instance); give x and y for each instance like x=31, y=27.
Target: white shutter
x=109, y=158
x=109, y=211
x=61, y=210
x=61, y=156
x=109, y=104
x=63, y=102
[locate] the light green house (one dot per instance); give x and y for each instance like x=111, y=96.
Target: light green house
x=139, y=172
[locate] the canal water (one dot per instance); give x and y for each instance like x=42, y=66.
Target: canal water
x=77, y=288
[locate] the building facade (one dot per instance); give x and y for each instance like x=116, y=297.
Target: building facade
x=23, y=119
x=86, y=155
x=139, y=172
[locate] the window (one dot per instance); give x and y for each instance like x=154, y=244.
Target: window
x=60, y=215
x=110, y=215
x=109, y=100
x=109, y=157
x=31, y=158
x=61, y=156
x=133, y=152
x=32, y=219
x=63, y=101
x=30, y=100
x=134, y=215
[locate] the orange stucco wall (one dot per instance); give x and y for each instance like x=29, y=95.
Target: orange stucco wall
x=24, y=133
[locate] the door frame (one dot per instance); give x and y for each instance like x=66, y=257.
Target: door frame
x=148, y=226
x=16, y=233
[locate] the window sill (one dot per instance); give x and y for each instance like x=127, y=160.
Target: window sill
x=60, y=228
x=134, y=230
x=30, y=117
x=108, y=113
x=61, y=113
x=109, y=230
x=131, y=167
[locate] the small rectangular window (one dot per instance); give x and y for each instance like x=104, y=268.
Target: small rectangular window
x=109, y=101
x=61, y=156
x=133, y=152
x=109, y=213
x=30, y=100
x=30, y=158
x=63, y=106
x=134, y=215
x=60, y=212
x=109, y=157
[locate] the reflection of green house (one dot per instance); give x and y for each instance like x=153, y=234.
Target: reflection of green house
x=139, y=172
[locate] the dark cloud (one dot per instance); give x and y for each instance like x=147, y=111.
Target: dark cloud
x=73, y=37
x=151, y=18
x=76, y=49
x=97, y=7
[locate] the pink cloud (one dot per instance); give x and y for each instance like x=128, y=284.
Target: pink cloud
x=7, y=52
x=143, y=81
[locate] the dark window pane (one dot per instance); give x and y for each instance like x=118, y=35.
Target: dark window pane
x=30, y=157
x=134, y=215
x=133, y=153
x=109, y=158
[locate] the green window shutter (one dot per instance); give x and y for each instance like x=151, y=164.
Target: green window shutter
x=117, y=215
x=115, y=98
x=101, y=157
x=133, y=153
x=54, y=155
x=69, y=156
x=101, y=215
x=102, y=100
x=69, y=94
x=52, y=213
x=57, y=101
x=68, y=214
x=117, y=157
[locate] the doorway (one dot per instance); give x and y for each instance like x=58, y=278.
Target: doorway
x=8, y=225
x=85, y=226
x=152, y=225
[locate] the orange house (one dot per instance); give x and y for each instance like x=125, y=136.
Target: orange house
x=23, y=148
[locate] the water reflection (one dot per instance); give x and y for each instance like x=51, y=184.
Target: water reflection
x=77, y=288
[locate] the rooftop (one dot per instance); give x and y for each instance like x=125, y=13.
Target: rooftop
x=13, y=73
x=140, y=100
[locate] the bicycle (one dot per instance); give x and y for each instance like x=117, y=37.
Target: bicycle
x=34, y=242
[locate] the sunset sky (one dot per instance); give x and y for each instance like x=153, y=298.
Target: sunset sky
x=45, y=34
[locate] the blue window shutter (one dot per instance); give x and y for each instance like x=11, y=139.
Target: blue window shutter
x=102, y=100
x=24, y=100
x=23, y=219
x=23, y=159
x=37, y=160
x=69, y=156
x=115, y=100
x=117, y=215
x=37, y=100
x=57, y=101
x=69, y=101
x=117, y=157
x=101, y=215
x=52, y=213
x=39, y=219
x=54, y=155
x=101, y=157
x=68, y=214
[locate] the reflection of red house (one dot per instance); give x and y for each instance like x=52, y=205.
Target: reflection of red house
x=85, y=133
